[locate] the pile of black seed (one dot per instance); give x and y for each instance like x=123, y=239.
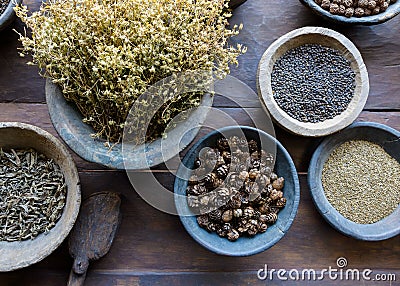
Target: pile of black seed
x=313, y=83
x=3, y=5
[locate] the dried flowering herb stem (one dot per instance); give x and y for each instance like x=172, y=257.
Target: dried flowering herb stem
x=105, y=54
x=362, y=181
x=32, y=194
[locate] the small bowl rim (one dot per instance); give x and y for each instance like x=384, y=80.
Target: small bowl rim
x=74, y=196
x=392, y=11
x=8, y=15
x=328, y=126
x=185, y=220
x=366, y=232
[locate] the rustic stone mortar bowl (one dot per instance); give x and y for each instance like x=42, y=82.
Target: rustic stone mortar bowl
x=8, y=15
x=391, y=12
x=244, y=246
x=377, y=133
x=324, y=37
x=67, y=120
x=15, y=255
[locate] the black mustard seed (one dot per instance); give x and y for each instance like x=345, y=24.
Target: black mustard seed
x=313, y=83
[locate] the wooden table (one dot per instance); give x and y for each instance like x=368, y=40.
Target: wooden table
x=153, y=248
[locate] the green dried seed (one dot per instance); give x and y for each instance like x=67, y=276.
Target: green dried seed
x=362, y=181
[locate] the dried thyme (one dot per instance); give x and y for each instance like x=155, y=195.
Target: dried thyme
x=32, y=194
x=105, y=54
x=362, y=181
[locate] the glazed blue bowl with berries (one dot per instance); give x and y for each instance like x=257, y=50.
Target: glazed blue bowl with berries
x=349, y=12
x=237, y=191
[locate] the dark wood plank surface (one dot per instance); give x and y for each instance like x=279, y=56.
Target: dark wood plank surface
x=153, y=248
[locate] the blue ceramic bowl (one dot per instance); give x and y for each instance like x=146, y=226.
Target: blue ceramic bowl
x=392, y=11
x=8, y=16
x=244, y=246
x=380, y=134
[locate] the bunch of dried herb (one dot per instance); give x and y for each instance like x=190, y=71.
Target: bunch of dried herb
x=105, y=53
x=32, y=194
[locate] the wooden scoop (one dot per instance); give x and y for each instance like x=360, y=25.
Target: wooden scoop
x=93, y=233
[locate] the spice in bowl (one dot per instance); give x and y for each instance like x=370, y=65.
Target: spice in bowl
x=3, y=6
x=362, y=181
x=32, y=194
x=313, y=83
x=234, y=190
x=357, y=8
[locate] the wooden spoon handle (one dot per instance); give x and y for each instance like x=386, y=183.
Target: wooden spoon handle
x=76, y=279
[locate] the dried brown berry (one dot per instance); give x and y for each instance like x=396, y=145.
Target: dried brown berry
x=211, y=180
x=253, y=146
x=278, y=183
x=233, y=235
x=193, y=201
x=237, y=212
x=235, y=202
x=371, y=4
x=264, y=208
x=363, y=3
x=334, y=9
x=271, y=218
x=196, y=190
x=262, y=227
x=215, y=215
x=212, y=227
x=244, y=175
x=326, y=4
x=226, y=155
x=342, y=9
x=263, y=218
x=280, y=203
x=359, y=12
x=223, y=144
x=349, y=12
x=377, y=10
x=203, y=220
x=367, y=12
x=253, y=174
x=233, y=142
x=275, y=195
x=384, y=6
x=273, y=176
x=348, y=3
x=222, y=171
x=248, y=212
x=227, y=216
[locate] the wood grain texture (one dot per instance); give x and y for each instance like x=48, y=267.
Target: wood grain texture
x=155, y=247
x=152, y=248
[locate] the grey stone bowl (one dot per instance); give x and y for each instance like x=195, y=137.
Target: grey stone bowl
x=8, y=15
x=380, y=134
x=67, y=120
x=244, y=246
x=392, y=11
x=19, y=254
